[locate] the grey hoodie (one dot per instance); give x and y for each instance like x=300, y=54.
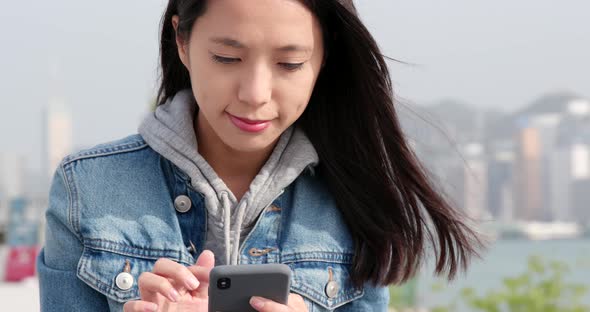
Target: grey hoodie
x=169, y=131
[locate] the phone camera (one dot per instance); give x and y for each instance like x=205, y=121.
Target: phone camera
x=224, y=283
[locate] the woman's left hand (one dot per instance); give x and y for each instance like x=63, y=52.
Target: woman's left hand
x=294, y=304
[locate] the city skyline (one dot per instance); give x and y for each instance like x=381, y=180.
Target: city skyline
x=527, y=165
x=62, y=112
x=532, y=165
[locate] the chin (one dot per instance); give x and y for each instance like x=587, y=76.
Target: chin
x=250, y=145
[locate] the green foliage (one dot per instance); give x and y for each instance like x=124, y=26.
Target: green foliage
x=404, y=296
x=540, y=288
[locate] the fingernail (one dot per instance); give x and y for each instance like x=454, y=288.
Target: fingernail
x=257, y=303
x=173, y=295
x=192, y=283
x=152, y=307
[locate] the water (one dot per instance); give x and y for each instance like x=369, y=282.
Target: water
x=508, y=258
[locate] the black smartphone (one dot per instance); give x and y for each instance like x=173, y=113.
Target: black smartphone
x=232, y=286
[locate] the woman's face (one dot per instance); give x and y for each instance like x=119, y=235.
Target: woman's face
x=253, y=66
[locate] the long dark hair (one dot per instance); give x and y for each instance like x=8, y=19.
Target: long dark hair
x=385, y=195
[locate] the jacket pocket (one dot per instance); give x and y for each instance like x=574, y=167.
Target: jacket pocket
x=100, y=268
x=326, y=284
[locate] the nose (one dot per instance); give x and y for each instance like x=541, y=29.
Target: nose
x=256, y=86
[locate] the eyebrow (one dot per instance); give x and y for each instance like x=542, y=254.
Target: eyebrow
x=294, y=48
x=229, y=42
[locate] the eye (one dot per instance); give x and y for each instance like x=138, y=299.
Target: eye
x=224, y=60
x=292, y=66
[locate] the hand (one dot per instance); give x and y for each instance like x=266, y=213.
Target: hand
x=294, y=304
x=173, y=287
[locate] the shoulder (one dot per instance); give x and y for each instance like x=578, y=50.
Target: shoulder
x=125, y=165
x=132, y=143
x=130, y=155
x=112, y=178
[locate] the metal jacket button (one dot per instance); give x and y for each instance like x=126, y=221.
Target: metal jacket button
x=332, y=289
x=332, y=286
x=182, y=203
x=124, y=281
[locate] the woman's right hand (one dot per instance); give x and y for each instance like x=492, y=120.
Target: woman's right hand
x=173, y=287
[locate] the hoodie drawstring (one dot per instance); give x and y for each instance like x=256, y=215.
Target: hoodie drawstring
x=236, y=247
x=226, y=206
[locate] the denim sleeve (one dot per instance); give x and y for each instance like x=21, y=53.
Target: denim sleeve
x=59, y=287
x=375, y=299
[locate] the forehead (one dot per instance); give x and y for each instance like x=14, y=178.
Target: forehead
x=256, y=21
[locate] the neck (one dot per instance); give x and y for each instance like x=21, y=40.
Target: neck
x=237, y=169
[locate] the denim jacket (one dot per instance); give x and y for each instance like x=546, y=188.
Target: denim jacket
x=112, y=210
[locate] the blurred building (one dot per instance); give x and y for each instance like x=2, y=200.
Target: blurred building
x=561, y=183
x=447, y=170
x=22, y=225
x=57, y=136
x=580, y=200
x=12, y=175
x=499, y=176
x=528, y=196
x=531, y=165
x=462, y=176
x=544, y=156
x=570, y=161
x=580, y=170
x=12, y=178
x=23, y=241
x=475, y=178
x=570, y=165
x=551, y=163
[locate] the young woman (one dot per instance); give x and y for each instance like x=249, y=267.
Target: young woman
x=275, y=141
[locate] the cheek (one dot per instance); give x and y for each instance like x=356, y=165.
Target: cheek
x=213, y=103
x=292, y=107
x=211, y=88
x=295, y=95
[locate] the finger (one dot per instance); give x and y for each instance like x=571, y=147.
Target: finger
x=265, y=305
x=138, y=305
x=296, y=302
x=206, y=259
x=201, y=270
x=202, y=274
x=176, y=272
x=150, y=283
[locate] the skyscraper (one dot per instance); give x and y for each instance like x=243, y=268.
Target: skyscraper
x=561, y=183
x=57, y=126
x=57, y=136
x=570, y=162
x=475, y=181
x=527, y=179
x=500, y=200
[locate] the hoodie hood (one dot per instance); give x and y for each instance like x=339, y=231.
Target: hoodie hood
x=170, y=132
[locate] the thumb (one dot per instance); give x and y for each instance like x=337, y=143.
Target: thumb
x=206, y=259
x=266, y=305
x=201, y=269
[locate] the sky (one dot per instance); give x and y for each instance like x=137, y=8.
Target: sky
x=101, y=57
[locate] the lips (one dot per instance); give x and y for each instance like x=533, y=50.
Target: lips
x=250, y=121
x=249, y=125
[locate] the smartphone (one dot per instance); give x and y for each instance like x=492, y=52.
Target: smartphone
x=232, y=286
